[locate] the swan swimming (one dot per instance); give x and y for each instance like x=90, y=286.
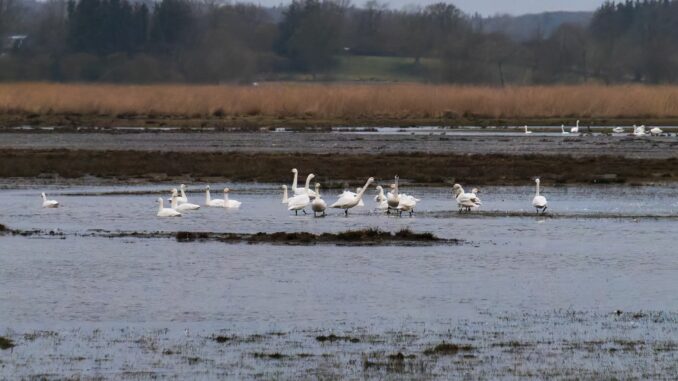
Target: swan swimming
x=639, y=131
x=539, y=201
x=301, y=201
x=466, y=200
x=216, y=203
x=166, y=212
x=347, y=201
x=527, y=131
x=656, y=131
x=318, y=204
x=562, y=129
x=575, y=130
x=284, y=199
x=618, y=130
x=49, y=203
x=174, y=202
x=228, y=203
x=296, y=190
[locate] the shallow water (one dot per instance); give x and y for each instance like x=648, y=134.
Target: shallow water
x=546, y=280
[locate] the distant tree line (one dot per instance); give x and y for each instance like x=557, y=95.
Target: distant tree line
x=212, y=42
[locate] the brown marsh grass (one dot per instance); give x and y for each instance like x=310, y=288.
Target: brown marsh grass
x=343, y=101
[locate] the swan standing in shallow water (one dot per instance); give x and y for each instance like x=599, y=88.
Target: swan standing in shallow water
x=216, y=203
x=466, y=200
x=296, y=191
x=380, y=198
x=407, y=204
x=318, y=204
x=284, y=199
x=174, y=202
x=166, y=212
x=575, y=130
x=539, y=201
x=527, y=131
x=301, y=201
x=49, y=203
x=228, y=203
x=347, y=201
x=392, y=197
x=639, y=131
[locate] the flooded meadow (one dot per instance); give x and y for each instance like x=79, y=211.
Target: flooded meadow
x=586, y=291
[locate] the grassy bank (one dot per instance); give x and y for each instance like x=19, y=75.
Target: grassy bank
x=331, y=104
x=417, y=167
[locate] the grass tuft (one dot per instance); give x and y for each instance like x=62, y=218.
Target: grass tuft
x=6, y=343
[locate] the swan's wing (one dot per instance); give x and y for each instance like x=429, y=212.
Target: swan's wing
x=344, y=199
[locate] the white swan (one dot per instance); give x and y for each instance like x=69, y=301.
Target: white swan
x=301, y=201
x=174, y=202
x=392, y=197
x=465, y=200
x=618, y=130
x=346, y=201
x=183, y=199
x=318, y=205
x=380, y=198
x=639, y=131
x=539, y=201
x=296, y=190
x=166, y=212
x=284, y=199
x=527, y=131
x=575, y=130
x=49, y=203
x=216, y=203
x=656, y=131
x=562, y=129
x=228, y=203
x=407, y=204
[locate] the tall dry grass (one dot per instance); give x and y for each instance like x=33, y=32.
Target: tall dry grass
x=343, y=101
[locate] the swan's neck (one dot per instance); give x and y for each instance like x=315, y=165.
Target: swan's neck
x=362, y=191
x=160, y=206
x=294, y=182
x=208, y=198
x=284, y=195
x=183, y=194
x=173, y=201
x=44, y=197
x=395, y=191
x=381, y=194
x=308, y=183
x=537, y=189
x=317, y=191
x=225, y=196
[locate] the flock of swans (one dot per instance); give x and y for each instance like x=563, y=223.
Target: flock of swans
x=637, y=130
x=393, y=201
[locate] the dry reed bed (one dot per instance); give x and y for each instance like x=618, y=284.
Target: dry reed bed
x=342, y=101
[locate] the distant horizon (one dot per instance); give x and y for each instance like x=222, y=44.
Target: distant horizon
x=483, y=7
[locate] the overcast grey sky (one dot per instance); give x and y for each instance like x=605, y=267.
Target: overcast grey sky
x=489, y=7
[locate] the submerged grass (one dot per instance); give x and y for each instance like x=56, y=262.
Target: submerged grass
x=6, y=343
x=315, y=103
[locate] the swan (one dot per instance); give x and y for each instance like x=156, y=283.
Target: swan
x=382, y=204
x=219, y=203
x=639, y=131
x=346, y=201
x=466, y=200
x=656, y=131
x=284, y=199
x=618, y=130
x=174, y=202
x=575, y=130
x=539, y=201
x=230, y=204
x=527, y=131
x=318, y=205
x=296, y=190
x=166, y=212
x=183, y=199
x=407, y=204
x=49, y=203
x=392, y=197
x=301, y=201
x=562, y=129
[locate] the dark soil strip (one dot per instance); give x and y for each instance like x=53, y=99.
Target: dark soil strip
x=417, y=167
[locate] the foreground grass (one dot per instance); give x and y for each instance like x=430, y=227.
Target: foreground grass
x=422, y=168
x=318, y=104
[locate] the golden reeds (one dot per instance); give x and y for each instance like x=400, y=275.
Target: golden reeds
x=343, y=101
